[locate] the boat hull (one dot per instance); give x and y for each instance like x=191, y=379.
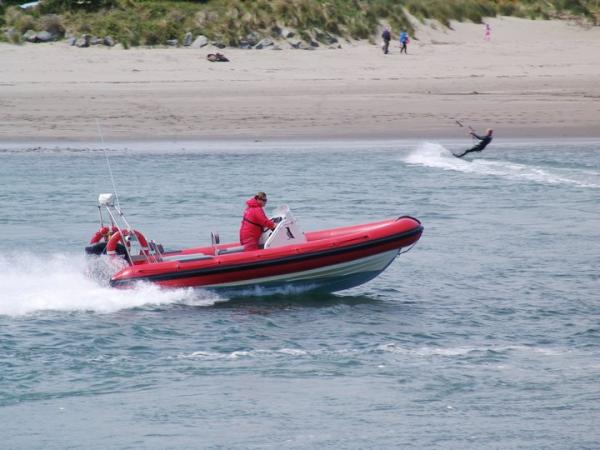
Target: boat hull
x=336, y=277
x=331, y=260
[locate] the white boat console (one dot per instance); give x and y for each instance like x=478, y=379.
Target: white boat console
x=287, y=231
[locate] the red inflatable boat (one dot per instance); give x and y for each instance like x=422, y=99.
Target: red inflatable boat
x=327, y=260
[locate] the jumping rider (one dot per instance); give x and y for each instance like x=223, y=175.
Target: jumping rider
x=483, y=142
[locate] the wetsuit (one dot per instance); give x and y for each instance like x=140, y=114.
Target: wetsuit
x=483, y=143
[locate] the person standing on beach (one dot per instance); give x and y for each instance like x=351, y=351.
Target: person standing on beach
x=254, y=221
x=387, y=37
x=483, y=142
x=404, y=41
x=488, y=32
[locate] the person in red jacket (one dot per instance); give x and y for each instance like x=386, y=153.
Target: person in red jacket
x=254, y=221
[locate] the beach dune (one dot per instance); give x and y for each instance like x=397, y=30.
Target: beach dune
x=532, y=79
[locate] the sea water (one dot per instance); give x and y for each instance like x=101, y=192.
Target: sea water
x=485, y=335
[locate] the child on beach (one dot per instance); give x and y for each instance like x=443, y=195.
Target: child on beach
x=404, y=40
x=488, y=32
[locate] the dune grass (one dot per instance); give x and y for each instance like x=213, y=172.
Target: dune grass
x=153, y=22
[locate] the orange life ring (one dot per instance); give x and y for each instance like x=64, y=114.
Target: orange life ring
x=103, y=233
x=111, y=247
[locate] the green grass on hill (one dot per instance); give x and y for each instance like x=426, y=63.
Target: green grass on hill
x=148, y=22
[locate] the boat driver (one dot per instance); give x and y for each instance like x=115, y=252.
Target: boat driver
x=254, y=221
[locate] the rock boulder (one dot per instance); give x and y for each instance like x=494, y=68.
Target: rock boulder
x=264, y=43
x=201, y=41
x=83, y=41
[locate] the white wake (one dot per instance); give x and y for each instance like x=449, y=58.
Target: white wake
x=437, y=156
x=32, y=283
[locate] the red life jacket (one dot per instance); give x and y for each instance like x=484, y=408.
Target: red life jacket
x=252, y=225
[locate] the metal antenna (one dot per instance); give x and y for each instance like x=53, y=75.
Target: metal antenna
x=108, y=164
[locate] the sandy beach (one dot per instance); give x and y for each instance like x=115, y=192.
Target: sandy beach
x=532, y=79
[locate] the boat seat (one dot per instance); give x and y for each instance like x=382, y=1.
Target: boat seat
x=226, y=251
x=156, y=248
x=186, y=257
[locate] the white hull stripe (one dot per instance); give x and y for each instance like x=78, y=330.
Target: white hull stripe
x=373, y=263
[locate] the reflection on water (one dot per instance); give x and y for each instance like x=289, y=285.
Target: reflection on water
x=284, y=301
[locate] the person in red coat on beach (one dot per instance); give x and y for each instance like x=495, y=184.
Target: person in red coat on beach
x=254, y=221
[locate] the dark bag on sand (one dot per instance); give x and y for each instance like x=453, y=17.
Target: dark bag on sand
x=216, y=57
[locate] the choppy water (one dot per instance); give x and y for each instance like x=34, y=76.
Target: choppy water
x=485, y=335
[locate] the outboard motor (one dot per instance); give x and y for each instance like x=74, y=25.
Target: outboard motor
x=96, y=249
x=100, y=249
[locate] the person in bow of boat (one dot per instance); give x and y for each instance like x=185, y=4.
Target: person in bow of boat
x=254, y=221
x=483, y=142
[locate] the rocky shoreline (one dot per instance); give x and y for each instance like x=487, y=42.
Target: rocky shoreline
x=286, y=38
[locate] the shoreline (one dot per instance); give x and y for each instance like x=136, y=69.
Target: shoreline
x=266, y=145
x=444, y=133
x=534, y=79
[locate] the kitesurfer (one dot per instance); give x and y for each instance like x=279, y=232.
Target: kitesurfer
x=254, y=221
x=483, y=142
